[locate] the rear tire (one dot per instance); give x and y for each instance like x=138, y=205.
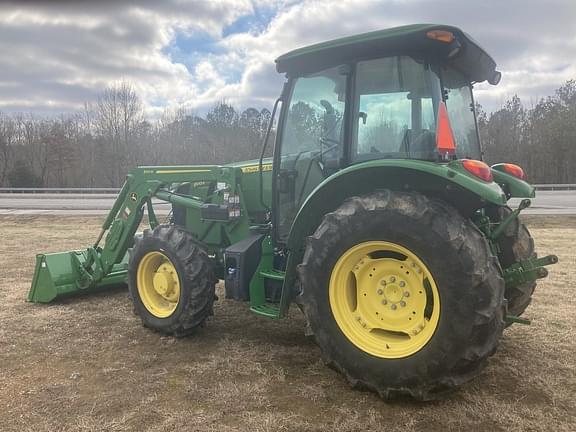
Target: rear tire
x=467, y=277
x=192, y=281
x=516, y=244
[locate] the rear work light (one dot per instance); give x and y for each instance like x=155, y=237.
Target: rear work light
x=514, y=170
x=478, y=169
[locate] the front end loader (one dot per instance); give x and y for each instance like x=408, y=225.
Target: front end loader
x=376, y=216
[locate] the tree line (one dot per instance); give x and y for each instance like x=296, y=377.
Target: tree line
x=541, y=139
x=98, y=146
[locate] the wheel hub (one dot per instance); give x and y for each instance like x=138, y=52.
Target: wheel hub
x=161, y=283
x=384, y=299
x=158, y=284
x=164, y=281
x=393, y=293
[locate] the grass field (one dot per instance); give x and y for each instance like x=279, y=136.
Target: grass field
x=87, y=364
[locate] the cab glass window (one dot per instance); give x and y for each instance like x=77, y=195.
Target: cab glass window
x=395, y=108
x=312, y=142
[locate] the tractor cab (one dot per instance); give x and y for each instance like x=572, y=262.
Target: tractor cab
x=403, y=93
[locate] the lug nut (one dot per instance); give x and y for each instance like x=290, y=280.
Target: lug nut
x=392, y=279
x=402, y=284
x=402, y=303
x=380, y=292
x=406, y=294
x=393, y=307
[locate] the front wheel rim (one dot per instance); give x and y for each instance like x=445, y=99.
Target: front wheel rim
x=384, y=299
x=158, y=284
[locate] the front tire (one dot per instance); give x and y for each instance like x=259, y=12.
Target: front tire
x=171, y=281
x=403, y=294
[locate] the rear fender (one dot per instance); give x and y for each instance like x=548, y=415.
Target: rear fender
x=512, y=186
x=449, y=182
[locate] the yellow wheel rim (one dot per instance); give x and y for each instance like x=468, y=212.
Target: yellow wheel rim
x=158, y=284
x=384, y=299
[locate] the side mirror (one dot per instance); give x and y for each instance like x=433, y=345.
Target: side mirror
x=495, y=78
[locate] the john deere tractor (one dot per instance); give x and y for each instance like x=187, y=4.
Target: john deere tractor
x=375, y=215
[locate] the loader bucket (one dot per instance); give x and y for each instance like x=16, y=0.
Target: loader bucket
x=58, y=275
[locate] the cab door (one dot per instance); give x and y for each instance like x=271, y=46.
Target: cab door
x=311, y=142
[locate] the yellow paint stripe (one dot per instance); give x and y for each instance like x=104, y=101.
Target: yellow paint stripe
x=188, y=171
x=255, y=168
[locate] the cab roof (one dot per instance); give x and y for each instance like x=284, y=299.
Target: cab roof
x=412, y=40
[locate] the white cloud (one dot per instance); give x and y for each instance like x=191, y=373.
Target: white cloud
x=54, y=56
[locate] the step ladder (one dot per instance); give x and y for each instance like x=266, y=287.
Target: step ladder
x=259, y=305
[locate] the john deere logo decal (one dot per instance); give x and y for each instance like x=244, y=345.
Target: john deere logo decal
x=134, y=196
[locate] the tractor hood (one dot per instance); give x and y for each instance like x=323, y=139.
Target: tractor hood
x=411, y=40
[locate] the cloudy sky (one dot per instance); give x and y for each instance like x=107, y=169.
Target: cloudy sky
x=55, y=55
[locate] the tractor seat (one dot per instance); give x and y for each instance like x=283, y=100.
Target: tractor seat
x=420, y=143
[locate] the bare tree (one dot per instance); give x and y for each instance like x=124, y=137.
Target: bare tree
x=7, y=137
x=118, y=112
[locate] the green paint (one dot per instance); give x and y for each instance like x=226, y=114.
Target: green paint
x=515, y=187
x=101, y=266
x=497, y=232
x=528, y=270
x=473, y=61
x=265, y=270
x=58, y=275
x=514, y=319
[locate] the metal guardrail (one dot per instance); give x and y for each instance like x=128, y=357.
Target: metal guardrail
x=552, y=186
x=549, y=186
x=59, y=190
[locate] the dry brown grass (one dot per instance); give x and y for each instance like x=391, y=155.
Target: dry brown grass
x=88, y=365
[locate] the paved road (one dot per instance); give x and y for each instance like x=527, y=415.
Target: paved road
x=71, y=204
x=551, y=202
x=546, y=202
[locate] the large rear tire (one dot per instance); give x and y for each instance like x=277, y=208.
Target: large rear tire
x=403, y=294
x=171, y=281
x=516, y=244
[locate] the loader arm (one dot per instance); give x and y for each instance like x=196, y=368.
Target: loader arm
x=98, y=266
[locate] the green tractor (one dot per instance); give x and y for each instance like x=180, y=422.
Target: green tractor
x=375, y=215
